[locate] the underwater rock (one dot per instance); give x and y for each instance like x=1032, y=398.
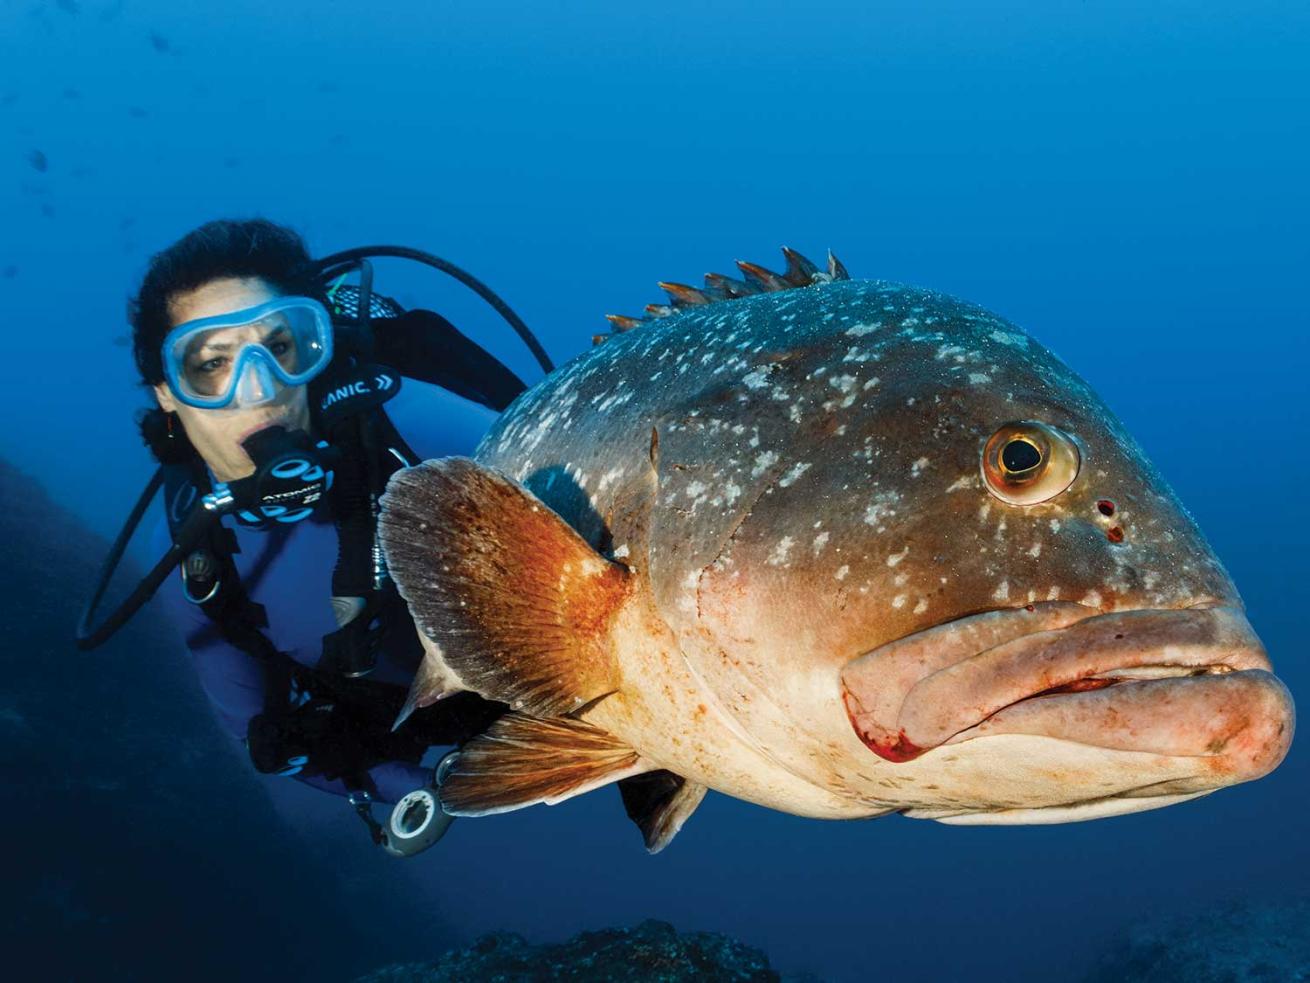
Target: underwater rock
x=653, y=951
x=139, y=843
x=1236, y=943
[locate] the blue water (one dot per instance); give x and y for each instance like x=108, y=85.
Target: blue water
x=1125, y=180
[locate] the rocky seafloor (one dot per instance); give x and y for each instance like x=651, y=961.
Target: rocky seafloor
x=652, y=951
x=1234, y=943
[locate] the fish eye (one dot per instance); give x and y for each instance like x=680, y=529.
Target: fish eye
x=1028, y=462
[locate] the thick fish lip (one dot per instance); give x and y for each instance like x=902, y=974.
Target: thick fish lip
x=935, y=686
x=1239, y=721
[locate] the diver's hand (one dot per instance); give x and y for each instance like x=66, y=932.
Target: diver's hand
x=281, y=744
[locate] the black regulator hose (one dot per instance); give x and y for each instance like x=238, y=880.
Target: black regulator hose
x=188, y=538
x=331, y=264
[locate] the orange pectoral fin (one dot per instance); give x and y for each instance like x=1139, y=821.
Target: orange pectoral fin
x=522, y=761
x=519, y=603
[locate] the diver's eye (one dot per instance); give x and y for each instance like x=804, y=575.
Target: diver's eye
x=1029, y=462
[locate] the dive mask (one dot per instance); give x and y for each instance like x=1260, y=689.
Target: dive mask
x=237, y=359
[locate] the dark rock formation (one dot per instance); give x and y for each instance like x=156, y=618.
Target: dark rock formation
x=1237, y=943
x=653, y=952
x=137, y=842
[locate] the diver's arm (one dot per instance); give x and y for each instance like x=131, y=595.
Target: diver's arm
x=233, y=681
x=391, y=779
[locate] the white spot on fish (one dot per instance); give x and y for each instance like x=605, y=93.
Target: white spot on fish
x=921, y=607
x=917, y=467
x=820, y=541
x=845, y=383
x=961, y=483
x=779, y=554
x=797, y=470
x=757, y=379
x=979, y=378
x=880, y=508
x=896, y=558
x=763, y=462
x=860, y=330
x=687, y=602
x=621, y=552
x=898, y=601
x=605, y=479
x=1009, y=338
x=1002, y=592
x=841, y=573
x=1092, y=599
x=1035, y=550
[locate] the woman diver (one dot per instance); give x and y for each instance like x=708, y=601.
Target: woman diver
x=270, y=422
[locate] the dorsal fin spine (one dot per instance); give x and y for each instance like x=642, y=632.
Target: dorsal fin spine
x=718, y=288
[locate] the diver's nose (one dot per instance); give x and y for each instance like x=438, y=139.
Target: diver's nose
x=256, y=384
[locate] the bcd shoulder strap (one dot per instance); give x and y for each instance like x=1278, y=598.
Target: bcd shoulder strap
x=210, y=581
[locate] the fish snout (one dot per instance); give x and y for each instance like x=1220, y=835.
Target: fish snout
x=1193, y=682
x=1254, y=734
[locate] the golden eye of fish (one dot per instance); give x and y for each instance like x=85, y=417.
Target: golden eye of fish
x=1028, y=462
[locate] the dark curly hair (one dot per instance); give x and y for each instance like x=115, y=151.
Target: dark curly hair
x=223, y=248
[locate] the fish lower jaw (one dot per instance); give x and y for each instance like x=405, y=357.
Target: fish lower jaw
x=1073, y=812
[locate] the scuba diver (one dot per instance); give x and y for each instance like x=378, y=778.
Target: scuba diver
x=280, y=415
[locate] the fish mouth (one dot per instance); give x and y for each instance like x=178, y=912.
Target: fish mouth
x=1192, y=682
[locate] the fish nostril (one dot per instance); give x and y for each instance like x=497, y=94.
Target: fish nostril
x=1105, y=507
x=1114, y=534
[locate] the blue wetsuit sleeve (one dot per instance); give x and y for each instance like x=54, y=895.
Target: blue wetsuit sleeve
x=391, y=779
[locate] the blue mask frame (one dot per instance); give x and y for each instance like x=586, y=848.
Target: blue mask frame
x=253, y=365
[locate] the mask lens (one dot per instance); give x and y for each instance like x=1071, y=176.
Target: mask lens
x=211, y=359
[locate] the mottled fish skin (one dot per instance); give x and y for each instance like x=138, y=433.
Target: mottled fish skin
x=795, y=476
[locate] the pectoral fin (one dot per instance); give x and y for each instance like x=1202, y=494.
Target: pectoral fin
x=659, y=802
x=522, y=761
x=518, y=602
x=433, y=681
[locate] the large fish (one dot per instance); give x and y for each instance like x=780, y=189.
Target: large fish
x=836, y=547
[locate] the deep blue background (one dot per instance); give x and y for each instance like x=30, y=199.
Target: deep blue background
x=1126, y=181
